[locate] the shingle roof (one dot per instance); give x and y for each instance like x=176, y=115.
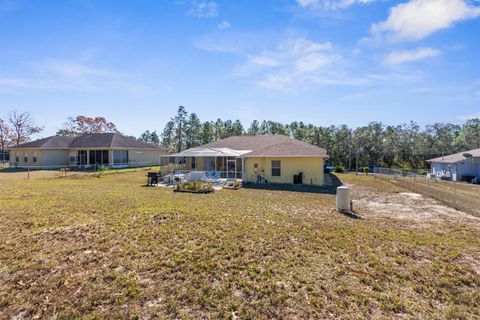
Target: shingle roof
x=54, y=142
x=269, y=145
x=101, y=140
x=456, y=157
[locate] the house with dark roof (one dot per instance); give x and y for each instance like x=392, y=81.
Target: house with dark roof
x=104, y=149
x=270, y=158
x=462, y=166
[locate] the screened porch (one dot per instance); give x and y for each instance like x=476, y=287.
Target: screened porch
x=221, y=163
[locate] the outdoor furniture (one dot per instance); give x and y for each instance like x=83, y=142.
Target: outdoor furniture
x=216, y=176
x=152, y=178
x=178, y=178
x=209, y=176
x=197, y=175
x=168, y=178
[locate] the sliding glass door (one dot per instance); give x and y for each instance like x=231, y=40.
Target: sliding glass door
x=99, y=157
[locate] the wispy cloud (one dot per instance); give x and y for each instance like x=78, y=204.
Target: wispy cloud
x=203, y=9
x=402, y=56
x=72, y=69
x=224, y=25
x=291, y=62
x=417, y=19
x=330, y=4
x=52, y=74
x=298, y=63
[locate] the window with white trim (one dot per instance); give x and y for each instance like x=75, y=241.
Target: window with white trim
x=276, y=168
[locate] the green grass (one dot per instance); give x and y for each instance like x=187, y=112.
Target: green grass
x=95, y=248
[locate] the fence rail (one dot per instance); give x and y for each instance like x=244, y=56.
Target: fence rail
x=461, y=196
x=27, y=172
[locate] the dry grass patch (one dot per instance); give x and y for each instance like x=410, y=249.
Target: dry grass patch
x=87, y=247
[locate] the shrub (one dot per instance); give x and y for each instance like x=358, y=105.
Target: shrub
x=339, y=169
x=195, y=186
x=366, y=170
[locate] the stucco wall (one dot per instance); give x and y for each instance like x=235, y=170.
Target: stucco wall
x=145, y=157
x=312, y=169
x=55, y=158
x=29, y=153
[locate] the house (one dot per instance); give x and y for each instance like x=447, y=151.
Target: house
x=274, y=158
x=105, y=149
x=463, y=166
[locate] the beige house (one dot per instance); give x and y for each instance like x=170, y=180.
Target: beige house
x=264, y=158
x=105, y=149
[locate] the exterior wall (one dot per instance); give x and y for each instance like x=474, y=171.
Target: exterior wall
x=55, y=158
x=455, y=171
x=52, y=158
x=26, y=152
x=312, y=169
x=144, y=157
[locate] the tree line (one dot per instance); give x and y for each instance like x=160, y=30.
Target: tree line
x=402, y=146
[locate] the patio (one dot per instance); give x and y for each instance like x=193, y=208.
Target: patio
x=214, y=165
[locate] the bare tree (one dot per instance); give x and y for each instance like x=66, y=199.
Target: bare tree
x=5, y=138
x=23, y=127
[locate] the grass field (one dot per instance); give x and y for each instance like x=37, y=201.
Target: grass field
x=19, y=174
x=108, y=247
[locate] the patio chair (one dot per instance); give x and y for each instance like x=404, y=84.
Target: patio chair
x=208, y=176
x=216, y=176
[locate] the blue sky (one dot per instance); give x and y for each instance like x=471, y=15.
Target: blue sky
x=325, y=62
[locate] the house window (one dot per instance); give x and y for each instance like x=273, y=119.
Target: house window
x=82, y=157
x=276, y=171
x=120, y=157
x=25, y=157
x=194, y=163
x=98, y=157
x=17, y=157
x=34, y=157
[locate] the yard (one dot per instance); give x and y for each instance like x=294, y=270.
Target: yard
x=92, y=247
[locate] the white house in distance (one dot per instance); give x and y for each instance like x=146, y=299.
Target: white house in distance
x=462, y=166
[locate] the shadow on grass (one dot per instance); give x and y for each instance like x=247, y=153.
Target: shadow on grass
x=351, y=214
x=330, y=187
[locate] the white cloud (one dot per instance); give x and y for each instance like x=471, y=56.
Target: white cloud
x=418, y=19
x=73, y=70
x=299, y=63
x=330, y=4
x=291, y=63
x=204, y=9
x=52, y=74
x=224, y=25
x=402, y=56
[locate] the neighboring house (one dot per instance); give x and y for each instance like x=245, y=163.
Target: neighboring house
x=276, y=158
x=107, y=149
x=461, y=166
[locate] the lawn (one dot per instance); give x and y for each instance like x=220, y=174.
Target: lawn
x=108, y=247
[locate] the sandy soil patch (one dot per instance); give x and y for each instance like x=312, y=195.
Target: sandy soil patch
x=406, y=205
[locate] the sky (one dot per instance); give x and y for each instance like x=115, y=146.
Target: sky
x=324, y=62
